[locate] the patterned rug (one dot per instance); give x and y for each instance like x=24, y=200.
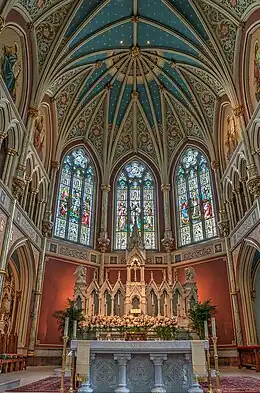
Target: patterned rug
x=50, y=384
x=228, y=385
x=237, y=385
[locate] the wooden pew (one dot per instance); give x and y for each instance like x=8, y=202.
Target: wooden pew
x=249, y=357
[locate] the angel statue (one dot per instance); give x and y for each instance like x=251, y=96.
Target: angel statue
x=80, y=274
x=189, y=273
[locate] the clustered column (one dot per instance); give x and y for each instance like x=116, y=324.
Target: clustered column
x=168, y=240
x=103, y=239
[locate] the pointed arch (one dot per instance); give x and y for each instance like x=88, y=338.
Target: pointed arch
x=135, y=201
x=195, y=206
x=74, y=219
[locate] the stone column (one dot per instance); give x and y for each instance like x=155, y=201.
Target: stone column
x=231, y=213
x=243, y=181
x=168, y=242
x=39, y=213
x=10, y=153
x=47, y=220
x=239, y=203
x=103, y=239
x=33, y=194
x=37, y=294
x=6, y=245
x=158, y=360
x=224, y=227
x=26, y=190
x=122, y=360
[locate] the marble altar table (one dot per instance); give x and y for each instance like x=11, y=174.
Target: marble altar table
x=137, y=366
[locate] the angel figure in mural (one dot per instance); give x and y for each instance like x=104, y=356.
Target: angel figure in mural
x=11, y=68
x=257, y=70
x=232, y=140
x=86, y=212
x=39, y=135
x=121, y=215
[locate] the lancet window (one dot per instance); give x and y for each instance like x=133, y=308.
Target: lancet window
x=135, y=203
x=74, y=215
x=194, y=198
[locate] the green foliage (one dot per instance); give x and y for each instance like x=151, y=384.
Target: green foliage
x=166, y=332
x=200, y=312
x=73, y=313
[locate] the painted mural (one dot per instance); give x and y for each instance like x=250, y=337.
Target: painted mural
x=12, y=69
x=257, y=70
x=254, y=70
x=39, y=135
x=231, y=140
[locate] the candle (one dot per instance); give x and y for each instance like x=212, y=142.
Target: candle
x=118, y=300
x=75, y=325
x=213, y=325
x=66, y=327
x=206, y=330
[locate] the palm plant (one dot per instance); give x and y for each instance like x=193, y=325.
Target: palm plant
x=73, y=313
x=200, y=312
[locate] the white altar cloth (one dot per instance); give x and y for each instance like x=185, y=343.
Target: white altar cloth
x=140, y=367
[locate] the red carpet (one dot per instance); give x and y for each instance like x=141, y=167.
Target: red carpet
x=237, y=385
x=228, y=385
x=50, y=384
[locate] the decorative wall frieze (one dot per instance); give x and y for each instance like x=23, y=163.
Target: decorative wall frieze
x=72, y=251
x=27, y=227
x=245, y=226
x=199, y=252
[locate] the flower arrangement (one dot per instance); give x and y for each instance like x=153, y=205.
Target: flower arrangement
x=164, y=327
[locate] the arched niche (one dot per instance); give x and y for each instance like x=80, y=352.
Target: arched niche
x=14, y=64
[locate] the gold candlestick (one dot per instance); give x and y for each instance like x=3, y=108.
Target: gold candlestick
x=210, y=389
x=63, y=367
x=215, y=339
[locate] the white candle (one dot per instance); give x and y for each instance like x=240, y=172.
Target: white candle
x=213, y=325
x=206, y=330
x=66, y=327
x=75, y=325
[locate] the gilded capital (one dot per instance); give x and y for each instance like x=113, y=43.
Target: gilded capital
x=135, y=19
x=165, y=187
x=33, y=112
x=47, y=228
x=135, y=95
x=215, y=165
x=55, y=165
x=18, y=187
x=238, y=110
x=106, y=187
x=11, y=152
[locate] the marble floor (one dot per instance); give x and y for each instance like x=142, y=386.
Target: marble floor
x=33, y=374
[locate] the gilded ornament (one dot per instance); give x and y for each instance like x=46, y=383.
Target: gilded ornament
x=135, y=95
x=103, y=243
x=135, y=19
x=135, y=51
x=106, y=187
x=55, y=165
x=253, y=184
x=238, y=110
x=215, y=165
x=29, y=26
x=98, y=64
x=165, y=187
x=168, y=244
x=47, y=228
x=33, y=112
x=18, y=187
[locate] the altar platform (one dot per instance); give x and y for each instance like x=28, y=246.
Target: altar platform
x=140, y=366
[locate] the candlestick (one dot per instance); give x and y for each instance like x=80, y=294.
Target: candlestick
x=206, y=330
x=66, y=327
x=64, y=356
x=215, y=339
x=75, y=325
x=213, y=326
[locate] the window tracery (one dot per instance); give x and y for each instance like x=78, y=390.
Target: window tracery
x=135, y=203
x=194, y=197
x=74, y=215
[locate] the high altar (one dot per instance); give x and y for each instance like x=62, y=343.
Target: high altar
x=136, y=295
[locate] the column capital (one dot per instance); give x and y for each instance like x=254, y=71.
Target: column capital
x=254, y=186
x=55, y=165
x=106, y=187
x=2, y=23
x=238, y=110
x=3, y=135
x=47, y=228
x=18, y=187
x=223, y=224
x=33, y=112
x=168, y=243
x=122, y=358
x=158, y=358
x=215, y=165
x=11, y=152
x=103, y=242
x=165, y=187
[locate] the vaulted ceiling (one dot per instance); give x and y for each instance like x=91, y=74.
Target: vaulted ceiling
x=135, y=75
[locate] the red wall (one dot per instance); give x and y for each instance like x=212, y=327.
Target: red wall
x=58, y=286
x=212, y=282
x=211, y=278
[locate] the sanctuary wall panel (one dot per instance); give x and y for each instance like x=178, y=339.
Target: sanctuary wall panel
x=212, y=282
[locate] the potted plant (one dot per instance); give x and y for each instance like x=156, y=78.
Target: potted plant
x=200, y=312
x=73, y=313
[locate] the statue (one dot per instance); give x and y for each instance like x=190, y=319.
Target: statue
x=80, y=274
x=189, y=274
x=39, y=136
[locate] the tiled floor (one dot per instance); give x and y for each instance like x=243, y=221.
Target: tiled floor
x=33, y=374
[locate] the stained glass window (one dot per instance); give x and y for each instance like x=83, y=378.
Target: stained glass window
x=194, y=196
x=74, y=216
x=135, y=202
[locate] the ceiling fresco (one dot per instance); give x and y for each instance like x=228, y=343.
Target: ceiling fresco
x=134, y=75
